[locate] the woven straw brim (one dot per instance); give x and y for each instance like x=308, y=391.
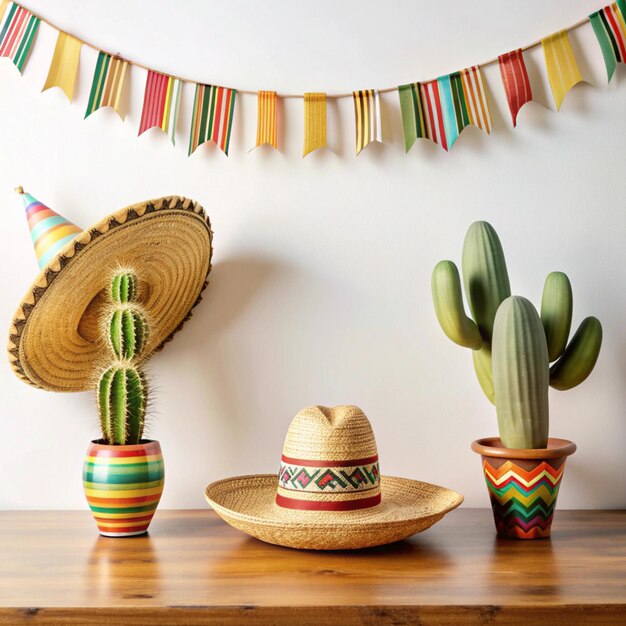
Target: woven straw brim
x=55, y=340
x=407, y=507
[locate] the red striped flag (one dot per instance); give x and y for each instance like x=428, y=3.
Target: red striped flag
x=515, y=80
x=160, y=103
x=433, y=113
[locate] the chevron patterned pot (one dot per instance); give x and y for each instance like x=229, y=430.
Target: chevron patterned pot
x=523, y=485
x=123, y=485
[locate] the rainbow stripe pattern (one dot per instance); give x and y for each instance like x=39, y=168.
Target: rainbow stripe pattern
x=123, y=485
x=49, y=231
x=523, y=495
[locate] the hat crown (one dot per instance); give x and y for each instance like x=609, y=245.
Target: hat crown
x=329, y=461
x=338, y=433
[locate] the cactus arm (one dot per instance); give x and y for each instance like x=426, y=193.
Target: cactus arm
x=485, y=276
x=448, y=300
x=104, y=393
x=520, y=375
x=580, y=356
x=556, y=312
x=482, y=367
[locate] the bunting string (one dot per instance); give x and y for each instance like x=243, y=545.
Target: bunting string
x=438, y=109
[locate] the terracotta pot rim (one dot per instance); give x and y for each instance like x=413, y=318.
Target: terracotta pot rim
x=492, y=447
x=144, y=444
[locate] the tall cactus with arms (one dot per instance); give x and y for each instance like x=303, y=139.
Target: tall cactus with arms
x=122, y=389
x=512, y=344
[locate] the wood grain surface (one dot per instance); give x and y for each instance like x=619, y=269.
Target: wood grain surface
x=194, y=569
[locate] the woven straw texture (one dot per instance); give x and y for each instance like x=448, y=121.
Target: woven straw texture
x=408, y=507
x=54, y=339
x=330, y=433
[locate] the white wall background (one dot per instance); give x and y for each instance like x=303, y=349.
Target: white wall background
x=320, y=291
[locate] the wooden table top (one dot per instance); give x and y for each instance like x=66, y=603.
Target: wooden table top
x=194, y=569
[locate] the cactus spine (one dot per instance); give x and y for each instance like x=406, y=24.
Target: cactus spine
x=122, y=388
x=512, y=345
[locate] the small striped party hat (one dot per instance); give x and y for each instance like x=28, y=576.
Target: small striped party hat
x=49, y=231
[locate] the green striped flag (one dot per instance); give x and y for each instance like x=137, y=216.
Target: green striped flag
x=412, y=112
x=213, y=111
x=610, y=30
x=17, y=33
x=108, y=84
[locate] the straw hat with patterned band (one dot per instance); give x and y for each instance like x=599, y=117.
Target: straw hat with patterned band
x=329, y=493
x=54, y=340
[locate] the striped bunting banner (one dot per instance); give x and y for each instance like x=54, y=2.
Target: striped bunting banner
x=64, y=66
x=17, y=33
x=433, y=113
x=314, y=122
x=475, y=97
x=108, y=84
x=608, y=25
x=515, y=81
x=367, y=118
x=266, y=119
x=161, y=102
x=440, y=109
x=413, y=122
x=563, y=72
x=213, y=109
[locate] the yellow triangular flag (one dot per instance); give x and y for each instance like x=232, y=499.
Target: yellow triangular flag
x=563, y=71
x=64, y=66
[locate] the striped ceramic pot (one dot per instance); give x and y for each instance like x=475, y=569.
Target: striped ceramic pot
x=523, y=485
x=123, y=485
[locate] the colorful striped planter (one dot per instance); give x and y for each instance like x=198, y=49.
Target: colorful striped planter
x=123, y=485
x=523, y=485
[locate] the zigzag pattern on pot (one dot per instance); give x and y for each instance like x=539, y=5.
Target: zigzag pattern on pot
x=523, y=500
x=123, y=486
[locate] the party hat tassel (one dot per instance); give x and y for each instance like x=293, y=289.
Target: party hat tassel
x=49, y=231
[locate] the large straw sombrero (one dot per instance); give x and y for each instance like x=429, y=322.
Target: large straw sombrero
x=329, y=494
x=54, y=340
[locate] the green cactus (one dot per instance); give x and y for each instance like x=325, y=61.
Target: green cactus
x=122, y=389
x=512, y=345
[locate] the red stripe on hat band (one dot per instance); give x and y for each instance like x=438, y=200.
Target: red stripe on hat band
x=315, y=463
x=325, y=505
